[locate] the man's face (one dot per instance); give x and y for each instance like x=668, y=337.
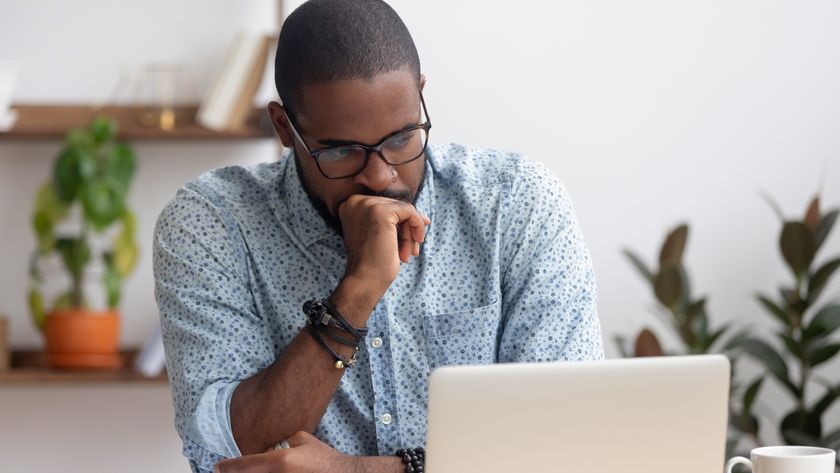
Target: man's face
x=358, y=111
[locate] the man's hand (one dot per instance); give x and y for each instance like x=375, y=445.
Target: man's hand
x=379, y=233
x=306, y=455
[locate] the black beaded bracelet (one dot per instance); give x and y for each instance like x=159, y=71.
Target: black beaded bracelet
x=414, y=459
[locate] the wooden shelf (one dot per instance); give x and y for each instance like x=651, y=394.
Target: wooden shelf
x=51, y=122
x=29, y=367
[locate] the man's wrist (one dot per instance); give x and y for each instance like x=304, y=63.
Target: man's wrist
x=391, y=464
x=356, y=299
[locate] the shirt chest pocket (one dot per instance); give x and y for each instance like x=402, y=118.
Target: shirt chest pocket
x=463, y=338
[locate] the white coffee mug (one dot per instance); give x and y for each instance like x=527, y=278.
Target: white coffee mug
x=787, y=459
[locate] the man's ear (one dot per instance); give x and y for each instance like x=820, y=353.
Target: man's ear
x=281, y=124
x=422, y=81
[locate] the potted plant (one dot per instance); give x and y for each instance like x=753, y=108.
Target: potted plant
x=687, y=318
x=807, y=333
x=83, y=225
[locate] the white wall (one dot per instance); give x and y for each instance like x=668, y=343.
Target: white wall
x=651, y=112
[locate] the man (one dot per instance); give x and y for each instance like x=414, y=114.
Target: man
x=405, y=256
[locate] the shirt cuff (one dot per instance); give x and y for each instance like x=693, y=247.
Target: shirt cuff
x=209, y=437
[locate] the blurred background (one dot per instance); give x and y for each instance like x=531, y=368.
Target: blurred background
x=653, y=113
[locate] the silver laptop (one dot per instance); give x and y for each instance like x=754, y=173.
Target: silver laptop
x=643, y=415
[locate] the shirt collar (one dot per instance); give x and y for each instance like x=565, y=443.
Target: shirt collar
x=308, y=224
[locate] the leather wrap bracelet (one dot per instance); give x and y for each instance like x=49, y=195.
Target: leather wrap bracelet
x=324, y=320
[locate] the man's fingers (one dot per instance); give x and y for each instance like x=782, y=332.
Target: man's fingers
x=406, y=243
x=301, y=437
x=416, y=226
x=403, y=213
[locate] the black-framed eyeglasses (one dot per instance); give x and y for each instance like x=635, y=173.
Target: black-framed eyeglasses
x=345, y=161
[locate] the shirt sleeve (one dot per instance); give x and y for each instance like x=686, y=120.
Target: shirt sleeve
x=549, y=295
x=212, y=334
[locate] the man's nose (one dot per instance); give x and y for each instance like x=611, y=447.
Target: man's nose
x=377, y=174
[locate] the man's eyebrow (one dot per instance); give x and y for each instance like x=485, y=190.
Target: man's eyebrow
x=340, y=142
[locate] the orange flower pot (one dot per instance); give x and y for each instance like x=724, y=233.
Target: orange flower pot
x=83, y=339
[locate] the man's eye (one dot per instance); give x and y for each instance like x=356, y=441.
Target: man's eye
x=336, y=154
x=399, y=140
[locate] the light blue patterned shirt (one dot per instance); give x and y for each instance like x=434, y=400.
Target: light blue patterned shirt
x=504, y=276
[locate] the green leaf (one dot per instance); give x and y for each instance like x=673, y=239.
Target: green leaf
x=668, y=286
x=129, y=228
x=768, y=356
x=78, y=138
x=823, y=354
x=824, y=227
x=72, y=168
x=711, y=339
x=125, y=251
x=103, y=200
x=746, y=423
x=751, y=393
x=75, y=253
x=674, y=246
x=647, y=344
x=698, y=331
x=824, y=323
x=792, y=345
x=102, y=129
x=774, y=310
x=43, y=226
x=125, y=256
x=639, y=265
x=685, y=297
x=48, y=210
x=801, y=428
x=818, y=281
x=812, y=215
x=832, y=440
x=826, y=401
x=798, y=247
x=738, y=340
x=36, y=308
x=120, y=164
x=48, y=202
x=112, y=281
x=695, y=308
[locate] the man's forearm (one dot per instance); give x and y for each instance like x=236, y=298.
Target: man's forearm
x=293, y=393
x=391, y=464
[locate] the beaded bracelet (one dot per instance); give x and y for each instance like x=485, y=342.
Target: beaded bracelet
x=414, y=459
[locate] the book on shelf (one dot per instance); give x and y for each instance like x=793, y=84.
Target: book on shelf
x=230, y=97
x=151, y=360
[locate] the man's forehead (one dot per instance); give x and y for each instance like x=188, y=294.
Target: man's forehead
x=387, y=101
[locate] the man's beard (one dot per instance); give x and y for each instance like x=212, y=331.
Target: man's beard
x=332, y=220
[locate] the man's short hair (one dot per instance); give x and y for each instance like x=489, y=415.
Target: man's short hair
x=327, y=40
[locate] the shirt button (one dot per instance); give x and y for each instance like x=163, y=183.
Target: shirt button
x=376, y=342
x=386, y=419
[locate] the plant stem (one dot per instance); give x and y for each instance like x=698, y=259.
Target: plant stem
x=78, y=277
x=803, y=378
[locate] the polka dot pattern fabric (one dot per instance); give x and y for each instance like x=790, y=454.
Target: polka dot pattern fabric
x=504, y=276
